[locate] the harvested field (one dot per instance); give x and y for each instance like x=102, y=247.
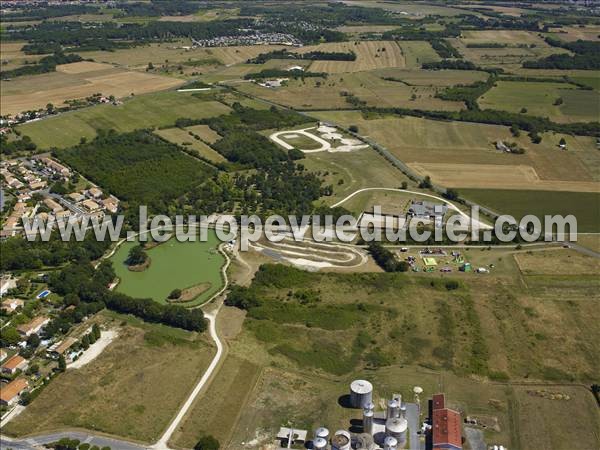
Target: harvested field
x=415, y=140
x=412, y=9
x=139, y=57
x=501, y=37
x=369, y=55
x=315, y=93
x=556, y=262
x=574, y=33
x=433, y=77
x=496, y=176
x=12, y=56
x=184, y=139
x=82, y=67
x=160, y=110
x=206, y=133
x=79, y=81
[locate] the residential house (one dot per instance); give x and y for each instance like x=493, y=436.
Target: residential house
x=10, y=393
x=33, y=327
x=53, y=205
x=94, y=192
x=11, y=304
x=16, y=362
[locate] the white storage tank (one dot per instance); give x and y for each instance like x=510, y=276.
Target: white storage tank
x=393, y=409
x=396, y=427
x=390, y=443
x=361, y=393
x=341, y=440
x=322, y=432
x=368, y=421
x=319, y=443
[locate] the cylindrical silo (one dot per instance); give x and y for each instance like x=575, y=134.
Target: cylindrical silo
x=319, y=443
x=370, y=406
x=361, y=393
x=403, y=411
x=368, y=421
x=390, y=443
x=322, y=432
x=341, y=440
x=393, y=409
x=396, y=427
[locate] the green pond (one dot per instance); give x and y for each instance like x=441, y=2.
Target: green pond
x=173, y=265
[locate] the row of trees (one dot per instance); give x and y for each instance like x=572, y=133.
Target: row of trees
x=44, y=65
x=386, y=259
x=586, y=57
x=84, y=284
x=314, y=55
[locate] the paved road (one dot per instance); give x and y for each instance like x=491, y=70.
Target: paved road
x=35, y=442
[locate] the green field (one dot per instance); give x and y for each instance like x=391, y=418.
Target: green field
x=585, y=206
x=173, y=265
x=315, y=332
x=183, y=138
x=539, y=100
x=144, y=111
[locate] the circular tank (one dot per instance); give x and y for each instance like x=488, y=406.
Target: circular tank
x=390, y=443
x=396, y=427
x=322, y=432
x=393, y=409
x=370, y=406
x=403, y=411
x=368, y=421
x=341, y=440
x=319, y=443
x=361, y=393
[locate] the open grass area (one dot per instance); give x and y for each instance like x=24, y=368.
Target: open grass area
x=457, y=152
x=539, y=99
x=131, y=390
x=585, y=206
x=332, y=92
x=173, y=265
x=186, y=140
x=76, y=81
x=348, y=172
x=12, y=56
x=574, y=33
x=152, y=110
x=217, y=412
x=419, y=333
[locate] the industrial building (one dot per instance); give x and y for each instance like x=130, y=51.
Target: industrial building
x=386, y=429
x=397, y=425
x=445, y=426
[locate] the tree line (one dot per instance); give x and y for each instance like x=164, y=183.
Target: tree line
x=311, y=56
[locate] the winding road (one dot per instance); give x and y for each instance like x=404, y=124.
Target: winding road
x=481, y=225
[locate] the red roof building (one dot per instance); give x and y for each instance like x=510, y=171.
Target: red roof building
x=439, y=401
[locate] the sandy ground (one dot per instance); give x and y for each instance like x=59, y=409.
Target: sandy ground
x=95, y=349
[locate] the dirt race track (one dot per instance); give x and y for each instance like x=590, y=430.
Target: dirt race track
x=78, y=80
x=496, y=176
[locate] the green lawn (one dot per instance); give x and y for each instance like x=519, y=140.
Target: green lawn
x=173, y=265
x=539, y=100
x=144, y=111
x=584, y=205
